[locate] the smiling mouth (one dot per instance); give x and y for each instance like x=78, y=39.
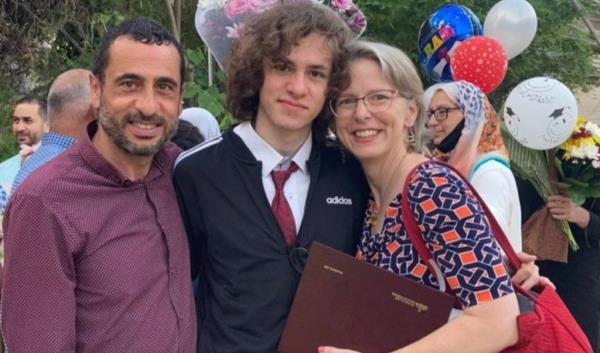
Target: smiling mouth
x=365, y=133
x=144, y=126
x=145, y=129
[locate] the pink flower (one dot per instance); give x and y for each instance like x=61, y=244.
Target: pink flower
x=446, y=32
x=262, y=5
x=234, y=8
x=358, y=22
x=235, y=31
x=342, y=4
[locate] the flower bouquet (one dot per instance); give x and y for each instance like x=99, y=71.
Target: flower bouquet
x=578, y=161
x=218, y=22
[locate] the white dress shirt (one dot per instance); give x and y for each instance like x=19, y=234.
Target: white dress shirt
x=296, y=187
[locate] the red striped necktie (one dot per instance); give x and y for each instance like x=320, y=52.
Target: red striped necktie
x=281, y=207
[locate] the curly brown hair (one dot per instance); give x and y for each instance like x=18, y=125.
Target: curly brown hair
x=269, y=37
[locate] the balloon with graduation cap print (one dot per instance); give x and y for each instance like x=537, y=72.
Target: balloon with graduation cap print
x=540, y=113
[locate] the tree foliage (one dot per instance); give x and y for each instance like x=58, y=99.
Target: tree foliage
x=40, y=39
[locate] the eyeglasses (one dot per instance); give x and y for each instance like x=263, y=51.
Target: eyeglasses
x=440, y=113
x=375, y=102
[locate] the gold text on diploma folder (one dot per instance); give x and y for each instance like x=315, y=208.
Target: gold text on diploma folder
x=419, y=306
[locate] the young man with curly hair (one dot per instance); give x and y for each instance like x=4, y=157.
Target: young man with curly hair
x=249, y=232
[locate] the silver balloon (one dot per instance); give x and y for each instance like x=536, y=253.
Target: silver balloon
x=513, y=23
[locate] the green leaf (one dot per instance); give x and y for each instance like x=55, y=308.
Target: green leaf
x=577, y=197
x=564, y=226
x=528, y=164
x=195, y=56
x=575, y=182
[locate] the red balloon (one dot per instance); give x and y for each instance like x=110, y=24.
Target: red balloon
x=480, y=60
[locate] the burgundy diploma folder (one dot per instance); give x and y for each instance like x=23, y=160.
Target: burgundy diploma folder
x=344, y=302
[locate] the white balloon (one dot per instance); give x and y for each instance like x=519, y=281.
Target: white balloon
x=540, y=113
x=513, y=23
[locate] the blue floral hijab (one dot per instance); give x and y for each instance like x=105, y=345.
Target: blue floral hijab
x=481, y=132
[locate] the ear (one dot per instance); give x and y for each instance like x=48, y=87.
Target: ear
x=96, y=92
x=412, y=113
x=181, y=93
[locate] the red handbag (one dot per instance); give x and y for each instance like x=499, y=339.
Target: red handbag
x=549, y=327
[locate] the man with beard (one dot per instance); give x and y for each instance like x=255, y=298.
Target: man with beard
x=28, y=126
x=96, y=254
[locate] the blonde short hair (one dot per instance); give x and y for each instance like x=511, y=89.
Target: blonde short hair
x=398, y=70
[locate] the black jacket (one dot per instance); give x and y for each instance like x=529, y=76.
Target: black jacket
x=531, y=201
x=248, y=277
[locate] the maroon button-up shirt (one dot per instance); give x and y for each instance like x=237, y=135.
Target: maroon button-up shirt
x=95, y=262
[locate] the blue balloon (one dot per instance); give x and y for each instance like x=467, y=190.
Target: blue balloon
x=449, y=25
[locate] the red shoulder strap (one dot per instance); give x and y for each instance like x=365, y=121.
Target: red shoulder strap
x=413, y=231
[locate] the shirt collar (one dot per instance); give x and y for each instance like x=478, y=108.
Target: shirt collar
x=270, y=158
x=53, y=138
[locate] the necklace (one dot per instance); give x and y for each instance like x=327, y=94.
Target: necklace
x=373, y=215
x=374, y=210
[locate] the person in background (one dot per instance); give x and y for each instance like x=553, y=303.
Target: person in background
x=187, y=135
x=203, y=120
x=465, y=131
x=466, y=134
x=578, y=280
x=28, y=126
x=70, y=110
x=379, y=118
x=96, y=254
x=254, y=199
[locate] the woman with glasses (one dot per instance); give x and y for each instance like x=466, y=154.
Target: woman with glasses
x=379, y=117
x=466, y=134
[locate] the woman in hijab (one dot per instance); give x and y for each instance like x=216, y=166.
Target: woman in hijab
x=466, y=134
x=203, y=120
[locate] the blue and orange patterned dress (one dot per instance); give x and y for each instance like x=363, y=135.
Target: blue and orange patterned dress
x=456, y=233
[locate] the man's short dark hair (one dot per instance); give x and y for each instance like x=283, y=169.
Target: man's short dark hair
x=140, y=29
x=270, y=36
x=41, y=103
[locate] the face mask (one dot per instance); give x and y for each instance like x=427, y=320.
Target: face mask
x=450, y=141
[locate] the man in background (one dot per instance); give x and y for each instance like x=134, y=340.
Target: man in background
x=28, y=125
x=70, y=110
